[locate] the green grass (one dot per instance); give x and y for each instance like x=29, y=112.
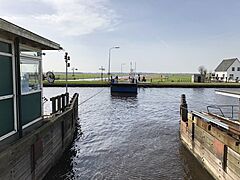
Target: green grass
x=77, y=82
x=159, y=78
x=154, y=77
x=79, y=76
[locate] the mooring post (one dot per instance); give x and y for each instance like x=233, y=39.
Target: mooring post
x=183, y=108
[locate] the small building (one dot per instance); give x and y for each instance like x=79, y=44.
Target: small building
x=21, y=79
x=198, y=78
x=228, y=70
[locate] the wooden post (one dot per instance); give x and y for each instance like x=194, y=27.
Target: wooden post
x=53, y=99
x=63, y=96
x=59, y=103
x=67, y=99
x=183, y=109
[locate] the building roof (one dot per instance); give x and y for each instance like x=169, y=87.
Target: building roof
x=225, y=64
x=11, y=31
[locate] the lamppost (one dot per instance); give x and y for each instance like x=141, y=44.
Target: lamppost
x=67, y=58
x=73, y=72
x=122, y=67
x=102, y=69
x=109, y=59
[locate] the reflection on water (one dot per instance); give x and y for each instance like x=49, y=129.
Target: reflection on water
x=132, y=137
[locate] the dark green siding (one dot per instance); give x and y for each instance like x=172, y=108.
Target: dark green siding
x=6, y=116
x=5, y=47
x=6, y=76
x=31, y=107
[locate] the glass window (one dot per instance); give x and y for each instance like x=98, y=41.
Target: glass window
x=233, y=68
x=238, y=68
x=5, y=47
x=6, y=76
x=30, y=76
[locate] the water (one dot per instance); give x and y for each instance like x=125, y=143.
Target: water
x=134, y=137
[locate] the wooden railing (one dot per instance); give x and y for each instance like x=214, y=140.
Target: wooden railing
x=59, y=103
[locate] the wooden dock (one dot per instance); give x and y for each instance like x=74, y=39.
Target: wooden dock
x=213, y=140
x=32, y=156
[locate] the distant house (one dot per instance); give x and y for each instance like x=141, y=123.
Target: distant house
x=228, y=70
x=198, y=78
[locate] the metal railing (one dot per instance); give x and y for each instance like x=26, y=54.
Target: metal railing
x=227, y=111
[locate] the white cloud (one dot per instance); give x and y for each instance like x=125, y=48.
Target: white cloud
x=63, y=17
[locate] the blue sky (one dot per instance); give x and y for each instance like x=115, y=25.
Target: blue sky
x=159, y=35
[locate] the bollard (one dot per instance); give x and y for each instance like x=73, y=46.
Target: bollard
x=183, y=109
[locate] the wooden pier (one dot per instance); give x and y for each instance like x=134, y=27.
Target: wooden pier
x=32, y=156
x=213, y=140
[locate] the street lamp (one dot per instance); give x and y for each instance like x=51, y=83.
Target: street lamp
x=102, y=69
x=73, y=72
x=67, y=58
x=122, y=67
x=109, y=59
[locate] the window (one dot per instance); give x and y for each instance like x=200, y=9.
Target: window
x=231, y=75
x=238, y=69
x=5, y=47
x=233, y=68
x=7, y=98
x=30, y=76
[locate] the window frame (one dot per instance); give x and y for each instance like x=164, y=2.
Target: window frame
x=11, y=96
x=27, y=58
x=39, y=59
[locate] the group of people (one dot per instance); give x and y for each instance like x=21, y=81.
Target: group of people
x=131, y=79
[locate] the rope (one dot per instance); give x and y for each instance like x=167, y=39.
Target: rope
x=90, y=97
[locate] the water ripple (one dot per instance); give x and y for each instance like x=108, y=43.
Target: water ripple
x=132, y=138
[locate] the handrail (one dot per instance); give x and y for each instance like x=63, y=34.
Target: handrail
x=220, y=107
x=59, y=103
x=212, y=120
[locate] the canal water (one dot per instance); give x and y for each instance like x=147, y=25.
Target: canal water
x=132, y=137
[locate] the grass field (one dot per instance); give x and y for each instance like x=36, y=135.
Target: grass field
x=159, y=78
x=154, y=78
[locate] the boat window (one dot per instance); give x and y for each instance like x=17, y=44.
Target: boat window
x=30, y=76
x=5, y=47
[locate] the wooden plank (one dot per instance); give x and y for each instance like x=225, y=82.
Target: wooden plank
x=205, y=153
x=219, y=134
x=233, y=159
x=233, y=174
x=4, y=162
x=235, y=168
x=234, y=154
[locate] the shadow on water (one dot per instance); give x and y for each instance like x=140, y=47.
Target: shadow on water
x=192, y=168
x=63, y=169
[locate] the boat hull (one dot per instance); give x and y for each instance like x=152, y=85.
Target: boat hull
x=121, y=88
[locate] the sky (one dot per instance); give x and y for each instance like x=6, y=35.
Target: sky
x=163, y=36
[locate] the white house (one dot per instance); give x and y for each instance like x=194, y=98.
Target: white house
x=228, y=70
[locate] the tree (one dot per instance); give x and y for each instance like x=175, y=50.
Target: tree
x=202, y=70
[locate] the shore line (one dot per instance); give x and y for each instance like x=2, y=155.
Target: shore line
x=160, y=85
